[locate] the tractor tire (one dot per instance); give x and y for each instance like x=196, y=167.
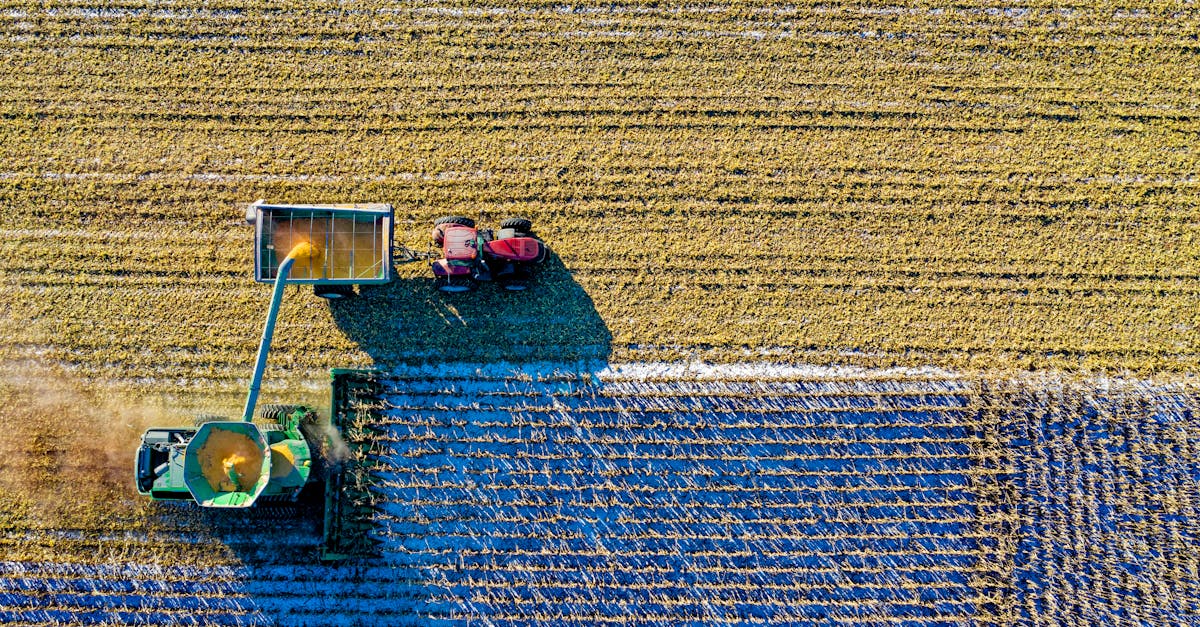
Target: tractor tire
x=205, y=418
x=334, y=292
x=517, y=224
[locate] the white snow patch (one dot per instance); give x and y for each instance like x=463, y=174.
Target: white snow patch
x=470, y=375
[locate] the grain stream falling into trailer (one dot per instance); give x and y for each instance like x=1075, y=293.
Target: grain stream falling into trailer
x=350, y=249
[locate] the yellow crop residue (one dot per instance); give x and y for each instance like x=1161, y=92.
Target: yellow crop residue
x=348, y=249
x=227, y=451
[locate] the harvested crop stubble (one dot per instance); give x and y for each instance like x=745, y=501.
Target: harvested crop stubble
x=668, y=493
x=948, y=184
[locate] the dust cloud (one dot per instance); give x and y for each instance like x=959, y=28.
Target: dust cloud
x=66, y=449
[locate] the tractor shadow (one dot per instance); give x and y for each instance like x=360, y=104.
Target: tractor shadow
x=410, y=321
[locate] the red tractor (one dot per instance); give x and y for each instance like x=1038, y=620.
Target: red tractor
x=470, y=254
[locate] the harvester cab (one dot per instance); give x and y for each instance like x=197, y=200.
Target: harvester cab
x=222, y=463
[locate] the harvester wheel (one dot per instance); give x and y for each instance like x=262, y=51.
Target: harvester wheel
x=277, y=413
x=203, y=418
x=334, y=292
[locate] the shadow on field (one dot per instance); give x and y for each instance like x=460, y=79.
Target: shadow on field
x=406, y=322
x=409, y=320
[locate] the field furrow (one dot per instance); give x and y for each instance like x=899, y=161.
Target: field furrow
x=969, y=185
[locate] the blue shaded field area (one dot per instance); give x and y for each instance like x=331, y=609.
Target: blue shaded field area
x=649, y=495
x=678, y=502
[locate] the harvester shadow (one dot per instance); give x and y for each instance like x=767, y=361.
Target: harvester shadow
x=409, y=321
x=268, y=534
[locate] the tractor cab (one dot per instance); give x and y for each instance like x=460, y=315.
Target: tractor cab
x=505, y=256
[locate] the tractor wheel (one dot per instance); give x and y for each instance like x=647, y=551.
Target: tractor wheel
x=277, y=413
x=204, y=418
x=455, y=288
x=439, y=226
x=334, y=292
x=517, y=224
x=454, y=220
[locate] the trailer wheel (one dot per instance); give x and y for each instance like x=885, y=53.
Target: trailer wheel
x=334, y=292
x=522, y=225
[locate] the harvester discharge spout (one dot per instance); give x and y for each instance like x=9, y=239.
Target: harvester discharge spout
x=305, y=253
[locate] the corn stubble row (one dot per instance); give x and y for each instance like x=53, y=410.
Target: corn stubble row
x=955, y=185
x=1107, y=504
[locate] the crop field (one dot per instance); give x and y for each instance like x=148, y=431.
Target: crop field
x=967, y=185
x=857, y=313
x=666, y=495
